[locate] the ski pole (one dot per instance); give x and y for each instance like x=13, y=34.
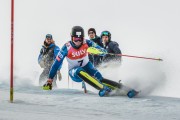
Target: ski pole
x=96, y=51
x=136, y=56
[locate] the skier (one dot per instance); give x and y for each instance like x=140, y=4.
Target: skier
x=95, y=59
x=80, y=68
x=111, y=47
x=46, y=58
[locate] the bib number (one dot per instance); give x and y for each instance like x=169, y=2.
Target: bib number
x=81, y=62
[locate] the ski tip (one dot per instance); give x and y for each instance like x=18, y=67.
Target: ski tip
x=132, y=93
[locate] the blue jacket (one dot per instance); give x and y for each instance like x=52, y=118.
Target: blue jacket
x=47, y=55
x=63, y=53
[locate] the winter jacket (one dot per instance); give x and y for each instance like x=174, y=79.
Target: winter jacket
x=47, y=55
x=112, y=47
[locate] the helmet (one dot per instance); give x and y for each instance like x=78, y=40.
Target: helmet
x=106, y=33
x=77, y=31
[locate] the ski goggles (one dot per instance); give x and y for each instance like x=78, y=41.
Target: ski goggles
x=76, y=39
x=105, y=34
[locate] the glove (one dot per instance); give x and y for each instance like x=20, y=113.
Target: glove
x=59, y=75
x=48, y=85
x=104, y=52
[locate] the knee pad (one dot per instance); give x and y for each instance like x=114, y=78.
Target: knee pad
x=90, y=80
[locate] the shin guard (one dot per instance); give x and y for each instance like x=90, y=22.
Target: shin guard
x=90, y=80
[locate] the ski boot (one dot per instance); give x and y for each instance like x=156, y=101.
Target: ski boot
x=104, y=91
x=132, y=93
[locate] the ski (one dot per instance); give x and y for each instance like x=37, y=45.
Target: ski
x=119, y=89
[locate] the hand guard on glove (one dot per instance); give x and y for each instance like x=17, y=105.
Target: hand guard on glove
x=104, y=52
x=48, y=85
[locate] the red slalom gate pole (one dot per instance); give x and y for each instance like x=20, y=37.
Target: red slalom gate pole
x=12, y=52
x=137, y=57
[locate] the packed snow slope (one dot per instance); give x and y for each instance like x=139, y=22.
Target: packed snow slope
x=31, y=103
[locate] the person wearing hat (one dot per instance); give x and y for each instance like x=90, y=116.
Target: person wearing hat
x=95, y=59
x=46, y=58
x=111, y=47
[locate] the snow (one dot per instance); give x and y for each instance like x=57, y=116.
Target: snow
x=65, y=104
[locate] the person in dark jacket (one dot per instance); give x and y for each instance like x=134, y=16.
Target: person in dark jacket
x=95, y=59
x=46, y=58
x=111, y=47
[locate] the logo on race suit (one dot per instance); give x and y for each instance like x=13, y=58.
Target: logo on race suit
x=79, y=53
x=78, y=34
x=59, y=56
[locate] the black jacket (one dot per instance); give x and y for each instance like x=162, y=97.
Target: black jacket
x=112, y=47
x=97, y=40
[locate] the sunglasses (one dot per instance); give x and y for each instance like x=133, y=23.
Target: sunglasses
x=91, y=32
x=76, y=39
x=48, y=39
